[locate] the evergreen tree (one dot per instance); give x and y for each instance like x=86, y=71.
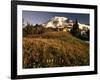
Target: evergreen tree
x=76, y=26
x=88, y=34
x=75, y=29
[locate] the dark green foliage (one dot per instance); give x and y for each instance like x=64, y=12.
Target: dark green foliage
x=31, y=30
x=77, y=33
x=37, y=29
x=88, y=34
x=75, y=29
x=27, y=30
x=76, y=26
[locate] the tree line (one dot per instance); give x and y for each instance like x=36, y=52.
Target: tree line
x=39, y=29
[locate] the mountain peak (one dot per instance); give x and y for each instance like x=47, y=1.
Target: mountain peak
x=61, y=22
x=59, y=17
x=57, y=21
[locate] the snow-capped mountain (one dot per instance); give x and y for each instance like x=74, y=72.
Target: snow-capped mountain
x=81, y=26
x=62, y=22
x=56, y=21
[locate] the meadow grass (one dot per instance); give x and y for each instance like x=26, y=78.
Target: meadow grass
x=54, y=49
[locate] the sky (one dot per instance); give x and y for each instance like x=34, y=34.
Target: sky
x=39, y=17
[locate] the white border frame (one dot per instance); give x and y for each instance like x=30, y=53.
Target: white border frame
x=21, y=71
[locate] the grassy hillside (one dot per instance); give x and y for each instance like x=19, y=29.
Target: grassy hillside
x=54, y=49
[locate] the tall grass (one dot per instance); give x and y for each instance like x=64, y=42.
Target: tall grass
x=54, y=49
